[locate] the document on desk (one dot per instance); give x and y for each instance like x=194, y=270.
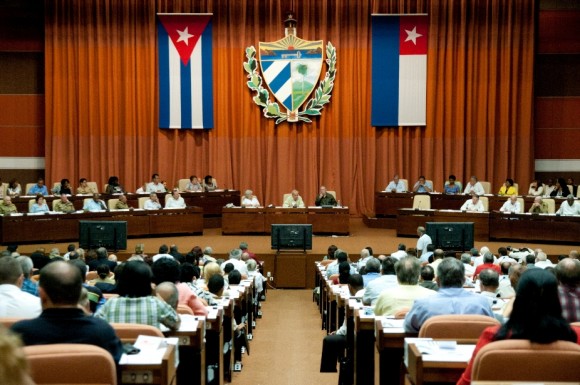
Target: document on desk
x=188, y=323
x=391, y=325
x=439, y=351
x=152, y=349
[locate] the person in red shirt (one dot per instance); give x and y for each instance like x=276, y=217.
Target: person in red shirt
x=536, y=316
x=487, y=264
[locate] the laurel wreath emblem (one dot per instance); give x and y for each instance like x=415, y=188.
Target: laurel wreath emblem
x=272, y=110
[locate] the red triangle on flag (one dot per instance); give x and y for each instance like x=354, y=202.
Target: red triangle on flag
x=184, y=31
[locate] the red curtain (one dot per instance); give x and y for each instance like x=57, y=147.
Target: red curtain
x=101, y=99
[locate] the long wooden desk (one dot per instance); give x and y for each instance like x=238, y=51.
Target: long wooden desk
x=134, y=370
x=191, y=335
x=390, y=339
x=543, y=227
x=408, y=220
x=65, y=227
x=237, y=220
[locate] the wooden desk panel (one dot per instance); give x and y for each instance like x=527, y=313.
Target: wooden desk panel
x=408, y=221
x=387, y=204
x=248, y=221
x=548, y=228
x=176, y=221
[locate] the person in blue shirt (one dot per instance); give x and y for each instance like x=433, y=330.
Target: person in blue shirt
x=95, y=204
x=38, y=188
x=40, y=206
x=451, y=186
x=422, y=186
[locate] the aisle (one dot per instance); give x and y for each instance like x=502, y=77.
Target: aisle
x=287, y=343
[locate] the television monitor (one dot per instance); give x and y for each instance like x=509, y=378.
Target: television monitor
x=291, y=237
x=109, y=234
x=456, y=236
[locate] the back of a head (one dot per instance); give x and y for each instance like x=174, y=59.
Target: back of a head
x=188, y=272
x=466, y=258
x=451, y=273
x=234, y=277
x=103, y=271
x=356, y=281
x=236, y=254
x=135, y=279
x=542, y=256
x=208, y=250
x=408, y=270
x=211, y=269
x=438, y=254
x=505, y=268
x=431, y=247
x=402, y=247
x=489, y=278
x=343, y=271
x=166, y=270
x=251, y=265
x=488, y=257
x=537, y=313
x=568, y=272
x=169, y=293
x=427, y=273
x=331, y=251
x=102, y=253
x=215, y=284
x=229, y=267
x=62, y=283
x=364, y=253
x=530, y=259
x=373, y=266
x=502, y=251
x=388, y=266
x=26, y=265
x=163, y=249
x=10, y=270
x=474, y=252
x=341, y=256
x=243, y=245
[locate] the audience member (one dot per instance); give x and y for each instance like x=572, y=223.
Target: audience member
x=536, y=316
x=163, y=253
x=438, y=256
x=427, y=277
x=450, y=299
x=168, y=293
x=14, y=302
x=175, y=201
x=542, y=260
x=152, y=203
x=62, y=320
x=27, y=266
x=396, y=185
x=235, y=258
x=102, y=259
x=401, y=297
x=487, y=264
x=400, y=253
x=387, y=280
x=13, y=365
x=568, y=274
x=569, y=207
x=511, y=205
x=427, y=257
x=372, y=271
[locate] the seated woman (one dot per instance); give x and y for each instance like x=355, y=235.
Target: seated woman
x=536, y=316
x=40, y=206
x=561, y=190
x=451, y=186
x=84, y=187
x=193, y=185
x=62, y=188
x=14, y=188
x=208, y=183
x=250, y=200
x=113, y=186
x=536, y=188
x=508, y=188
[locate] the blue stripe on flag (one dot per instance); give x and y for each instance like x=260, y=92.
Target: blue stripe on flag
x=281, y=79
x=185, y=94
x=207, y=71
x=164, y=100
x=385, y=68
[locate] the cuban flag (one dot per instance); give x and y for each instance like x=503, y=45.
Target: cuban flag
x=399, y=70
x=185, y=70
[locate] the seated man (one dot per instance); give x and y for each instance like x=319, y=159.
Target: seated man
x=488, y=263
x=387, y=280
x=95, y=204
x=155, y=185
x=511, y=205
x=451, y=186
x=401, y=252
x=152, y=203
x=568, y=274
x=569, y=207
x=450, y=299
x=489, y=283
x=422, y=186
x=38, y=188
x=294, y=200
x=474, y=187
x=473, y=205
x=62, y=320
x=426, y=279
x=333, y=345
x=401, y=297
x=324, y=198
x=64, y=206
x=136, y=303
x=250, y=200
x=14, y=302
x=175, y=201
x=372, y=271
x=395, y=185
x=84, y=187
x=539, y=206
x=122, y=203
x=6, y=206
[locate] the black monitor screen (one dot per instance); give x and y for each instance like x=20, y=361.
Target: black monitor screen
x=291, y=237
x=451, y=235
x=109, y=234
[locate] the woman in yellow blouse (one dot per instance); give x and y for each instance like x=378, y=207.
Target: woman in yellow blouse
x=508, y=188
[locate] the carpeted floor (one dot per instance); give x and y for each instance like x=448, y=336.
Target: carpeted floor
x=287, y=343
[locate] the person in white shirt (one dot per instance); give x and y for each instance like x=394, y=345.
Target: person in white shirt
x=542, y=260
x=14, y=302
x=423, y=241
x=155, y=185
x=236, y=260
x=152, y=203
x=536, y=188
x=365, y=255
x=163, y=253
x=549, y=186
x=250, y=200
x=473, y=205
x=175, y=201
x=395, y=185
x=511, y=205
x=400, y=253
x=474, y=187
x=569, y=207
x=468, y=265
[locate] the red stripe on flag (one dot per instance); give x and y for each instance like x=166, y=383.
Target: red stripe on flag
x=413, y=35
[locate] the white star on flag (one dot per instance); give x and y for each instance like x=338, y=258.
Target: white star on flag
x=184, y=36
x=411, y=35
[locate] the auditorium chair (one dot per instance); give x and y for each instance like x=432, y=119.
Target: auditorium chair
x=105, y=187
x=522, y=204
x=91, y=275
x=522, y=360
x=142, y=201
x=93, y=185
x=27, y=188
x=3, y=188
x=30, y=203
x=456, y=326
x=405, y=183
x=129, y=332
x=422, y=202
x=486, y=186
x=71, y=364
x=517, y=187
x=111, y=204
x=551, y=205
x=54, y=203
x=284, y=198
x=485, y=203
x=182, y=183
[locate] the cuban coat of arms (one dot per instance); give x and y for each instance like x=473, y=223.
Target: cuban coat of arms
x=290, y=69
